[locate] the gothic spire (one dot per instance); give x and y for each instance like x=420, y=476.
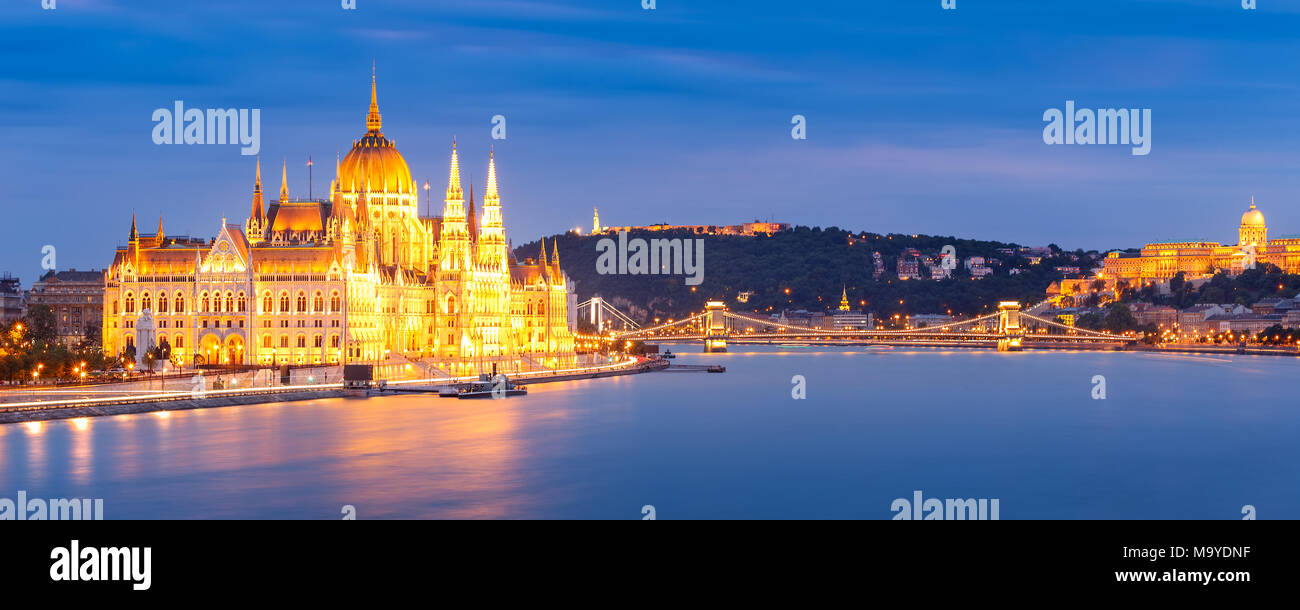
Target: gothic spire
x=284, y=182
x=373, y=120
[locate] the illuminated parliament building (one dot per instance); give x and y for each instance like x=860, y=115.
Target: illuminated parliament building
x=1160, y=261
x=358, y=278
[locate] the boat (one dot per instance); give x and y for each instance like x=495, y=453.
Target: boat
x=669, y=355
x=716, y=368
x=879, y=347
x=486, y=387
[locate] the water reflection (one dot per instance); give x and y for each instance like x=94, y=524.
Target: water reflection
x=875, y=426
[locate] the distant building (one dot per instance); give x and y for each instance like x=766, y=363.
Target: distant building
x=745, y=229
x=878, y=266
x=76, y=298
x=1161, y=260
x=11, y=299
x=908, y=268
x=849, y=320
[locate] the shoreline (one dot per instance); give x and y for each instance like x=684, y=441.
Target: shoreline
x=181, y=401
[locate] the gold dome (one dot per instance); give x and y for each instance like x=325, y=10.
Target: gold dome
x=1252, y=217
x=374, y=164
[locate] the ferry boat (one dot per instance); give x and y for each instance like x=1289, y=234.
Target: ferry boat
x=485, y=387
x=668, y=354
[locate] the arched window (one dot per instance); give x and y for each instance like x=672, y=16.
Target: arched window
x=266, y=340
x=146, y=302
x=318, y=341
x=180, y=341
x=318, y=304
x=162, y=302
x=451, y=304
x=130, y=303
x=302, y=302
x=335, y=305
x=302, y=340
x=242, y=302
x=334, y=341
x=204, y=305
x=268, y=304
x=284, y=302
x=114, y=307
x=230, y=301
x=180, y=303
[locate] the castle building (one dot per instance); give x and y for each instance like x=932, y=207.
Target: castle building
x=358, y=278
x=1160, y=261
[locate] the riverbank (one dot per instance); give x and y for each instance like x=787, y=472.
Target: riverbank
x=181, y=401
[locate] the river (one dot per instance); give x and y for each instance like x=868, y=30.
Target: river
x=1176, y=437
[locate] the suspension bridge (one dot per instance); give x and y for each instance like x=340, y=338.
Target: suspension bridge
x=1009, y=329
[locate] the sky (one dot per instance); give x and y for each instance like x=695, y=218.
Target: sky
x=918, y=119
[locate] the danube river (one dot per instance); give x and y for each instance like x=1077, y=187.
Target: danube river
x=1176, y=437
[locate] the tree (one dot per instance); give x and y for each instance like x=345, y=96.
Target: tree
x=1119, y=318
x=41, y=327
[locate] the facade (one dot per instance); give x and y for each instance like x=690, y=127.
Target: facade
x=12, y=302
x=360, y=277
x=1160, y=261
x=77, y=300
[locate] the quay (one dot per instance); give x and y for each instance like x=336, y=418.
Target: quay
x=185, y=400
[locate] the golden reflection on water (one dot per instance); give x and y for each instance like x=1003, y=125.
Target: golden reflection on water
x=82, y=465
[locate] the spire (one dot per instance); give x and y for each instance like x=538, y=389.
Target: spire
x=373, y=120
x=284, y=182
x=160, y=230
x=135, y=235
x=453, y=180
x=491, y=179
x=541, y=259
x=1252, y=202
x=471, y=214
x=555, y=256
x=257, y=194
x=844, y=298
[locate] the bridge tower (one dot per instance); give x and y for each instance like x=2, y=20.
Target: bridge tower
x=1009, y=326
x=715, y=327
x=597, y=314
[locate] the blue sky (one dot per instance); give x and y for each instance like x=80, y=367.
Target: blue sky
x=920, y=120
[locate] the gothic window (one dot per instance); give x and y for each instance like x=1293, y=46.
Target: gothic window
x=130, y=303
x=284, y=302
x=180, y=303
x=146, y=302
x=302, y=341
x=284, y=340
x=230, y=301
x=318, y=341
x=268, y=304
x=242, y=303
x=334, y=341
x=318, y=303
x=302, y=302
x=204, y=305
x=334, y=303
x=266, y=340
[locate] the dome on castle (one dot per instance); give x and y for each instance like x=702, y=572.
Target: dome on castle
x=373, y=163
x=1252, y=217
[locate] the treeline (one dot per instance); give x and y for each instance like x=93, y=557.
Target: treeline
x=805, y=268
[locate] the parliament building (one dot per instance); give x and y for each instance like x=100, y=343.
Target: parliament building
x=358, y=278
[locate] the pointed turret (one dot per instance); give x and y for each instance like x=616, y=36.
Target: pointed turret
x=160, y=231
x=541, y=258
x=373, y=120
x=135, y=235
x=844, y=298
x=454, y=191
x=257, y=213
x=555, y=258
x=284, y=182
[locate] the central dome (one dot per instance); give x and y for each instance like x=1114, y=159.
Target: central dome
x=374, y=164
x=1252, y=217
